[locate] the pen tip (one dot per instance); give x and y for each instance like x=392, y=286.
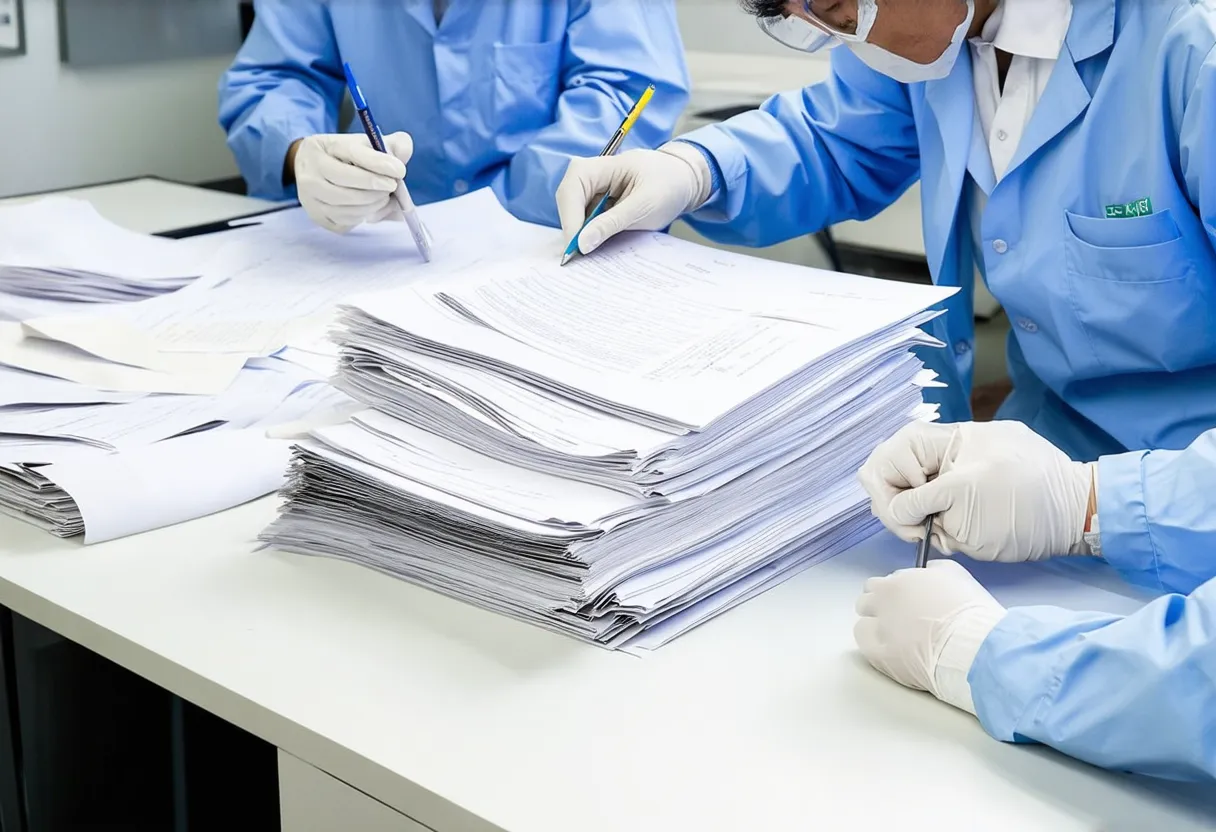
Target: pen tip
x=566, y=258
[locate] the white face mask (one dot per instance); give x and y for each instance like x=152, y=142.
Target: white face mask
x=909, y=72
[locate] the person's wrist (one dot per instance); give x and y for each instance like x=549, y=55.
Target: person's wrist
x=1086, y=514
x=289, y=163
x=960, y=642
x=1091, y=536
x=701, y=180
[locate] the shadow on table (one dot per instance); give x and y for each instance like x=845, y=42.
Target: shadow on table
x=389, y=605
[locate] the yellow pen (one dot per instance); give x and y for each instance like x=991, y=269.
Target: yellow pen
x=612, y=147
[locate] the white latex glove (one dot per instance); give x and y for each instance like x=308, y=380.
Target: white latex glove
x=343, y=182
x=924, y=627
x=999, y=491
x=652, y=189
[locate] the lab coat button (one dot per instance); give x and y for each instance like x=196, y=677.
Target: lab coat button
x=1000, y=246
x=1001, y=135
x=1028, y=325
x=460, y=187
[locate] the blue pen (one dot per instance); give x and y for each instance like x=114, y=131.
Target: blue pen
x=422, y=237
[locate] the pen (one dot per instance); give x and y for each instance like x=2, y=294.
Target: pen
x=922, y=548
x=612, y=147
x=422, y=237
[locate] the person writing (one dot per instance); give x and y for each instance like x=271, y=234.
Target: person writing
x=1132, y=693
x=1064, y=150
x=473, y=93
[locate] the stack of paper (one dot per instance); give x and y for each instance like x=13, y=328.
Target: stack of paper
x=43, y=434
x=618, y=450
x=126, y=417
x=106, y=466
x=62, y=249
x=148, y=487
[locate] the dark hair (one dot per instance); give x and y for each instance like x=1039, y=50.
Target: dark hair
x=764, y=8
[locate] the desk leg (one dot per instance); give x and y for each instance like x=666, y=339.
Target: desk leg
x=94, y=738
x=177, y=733
x=12, y=799
x=225, y=778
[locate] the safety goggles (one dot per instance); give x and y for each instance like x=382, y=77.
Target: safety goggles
x=811, y=33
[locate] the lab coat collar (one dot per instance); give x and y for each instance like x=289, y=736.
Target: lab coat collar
x=1064, y=100
x=424, y=16
x=424, y=13
x=1092, y=29
x=1029, y=28
x=1091, y=32
x=952, y=102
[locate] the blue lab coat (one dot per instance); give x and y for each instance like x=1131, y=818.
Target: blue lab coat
x=501, y=93
x=1113, y=345
x=1136, y=693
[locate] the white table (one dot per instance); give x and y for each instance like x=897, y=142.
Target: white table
x=463, y=720
x=152, y=205
x=444, y=717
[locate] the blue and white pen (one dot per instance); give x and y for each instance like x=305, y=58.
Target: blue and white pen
x=422, y=237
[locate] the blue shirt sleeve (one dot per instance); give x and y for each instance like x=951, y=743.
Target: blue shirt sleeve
x=613, y=51
x=1157, y=515
x=842, y=149
x=285, y=84
x=1131, y=694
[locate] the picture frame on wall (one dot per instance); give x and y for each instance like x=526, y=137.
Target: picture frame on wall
x=12, y=28
x=109, y=33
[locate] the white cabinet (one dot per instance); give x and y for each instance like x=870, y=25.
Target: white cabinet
x=312, y=801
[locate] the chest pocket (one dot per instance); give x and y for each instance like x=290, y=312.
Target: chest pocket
x=527, y=77
x=1142, y=294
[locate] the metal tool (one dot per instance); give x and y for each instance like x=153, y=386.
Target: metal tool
x=922, y=548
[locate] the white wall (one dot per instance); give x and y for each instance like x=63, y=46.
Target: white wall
x=61, y=127
x=721, y=26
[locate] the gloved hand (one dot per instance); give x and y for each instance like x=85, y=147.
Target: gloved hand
x=343, y=182
x=652, y=189
x=1000, y=491
x=924, y=627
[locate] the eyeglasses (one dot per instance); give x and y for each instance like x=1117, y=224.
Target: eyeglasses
x=811, y=33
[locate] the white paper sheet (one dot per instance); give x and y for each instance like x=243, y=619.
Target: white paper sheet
x=103, y=337
x=18, y=387
x=187, y=373
x=265, y=391
x=103, y=262
x=32, y=235
x=171, y=482
x=472, y=479
x=655, y=325
x=283, y=279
